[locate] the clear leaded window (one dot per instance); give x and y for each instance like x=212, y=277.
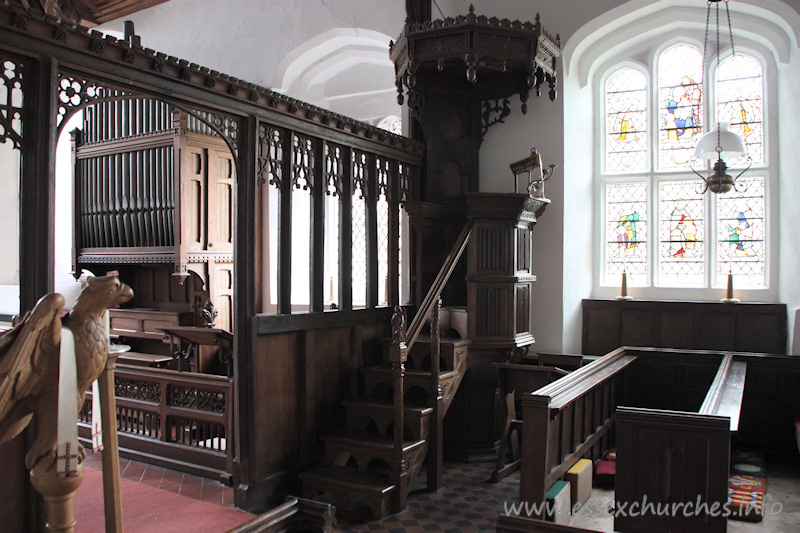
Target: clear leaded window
x=698, y=237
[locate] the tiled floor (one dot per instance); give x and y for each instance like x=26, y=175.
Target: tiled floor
x=194, y=487
x=468, y=502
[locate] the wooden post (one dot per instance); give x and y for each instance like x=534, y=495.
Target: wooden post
x=112, y=500
x=435, y=433
x=535, y=451
x=397, y=357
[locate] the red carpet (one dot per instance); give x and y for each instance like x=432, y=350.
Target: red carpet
x=146, y=509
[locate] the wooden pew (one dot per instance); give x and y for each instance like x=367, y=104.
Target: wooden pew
x=678, y=457
x=569, y=419
x=516, y=379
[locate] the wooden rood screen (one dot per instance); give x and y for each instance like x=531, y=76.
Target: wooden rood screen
x=183, y=419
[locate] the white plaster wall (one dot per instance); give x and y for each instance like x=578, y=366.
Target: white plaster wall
x=249, y=38
x=580, y=194
x=9, y=237
x=789, y=125
x=63, y=281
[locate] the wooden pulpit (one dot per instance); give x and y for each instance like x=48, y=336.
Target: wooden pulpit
x=499, y=277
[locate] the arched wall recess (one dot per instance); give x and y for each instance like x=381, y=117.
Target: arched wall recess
x=346, y=70
x=771, y=23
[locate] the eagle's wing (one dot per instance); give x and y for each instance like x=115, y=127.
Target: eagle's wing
x=27, y=360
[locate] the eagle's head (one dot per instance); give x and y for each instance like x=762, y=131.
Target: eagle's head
x=102, y=293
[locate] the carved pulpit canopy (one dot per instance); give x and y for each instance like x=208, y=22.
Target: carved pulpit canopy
x=498, y=57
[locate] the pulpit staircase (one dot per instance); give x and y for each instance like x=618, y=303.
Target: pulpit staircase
x=397, y=425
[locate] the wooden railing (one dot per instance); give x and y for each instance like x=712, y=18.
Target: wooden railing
x=569, y=419
x=182, y=420
x=402, y=341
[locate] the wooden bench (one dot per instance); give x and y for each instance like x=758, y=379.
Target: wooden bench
x=144, y=359
x=516, y=379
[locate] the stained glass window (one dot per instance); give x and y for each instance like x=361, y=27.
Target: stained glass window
x=626, y=121
x=626, y=231
x=698, y=237
x=739, y=102
x=741, y=232
x=681, y=223
x=680, y=97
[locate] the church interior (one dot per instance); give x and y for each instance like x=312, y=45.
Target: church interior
x=365, y=257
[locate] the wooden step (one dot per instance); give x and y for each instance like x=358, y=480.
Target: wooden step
x=365, y=447
x=359, y=413
x=346, y=484
x=379, y=375
x=452, y=353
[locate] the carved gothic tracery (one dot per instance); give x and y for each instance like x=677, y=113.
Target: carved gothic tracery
x=334, y=170
x=303, y=163
x=360, y=182
x=270, y=155
x=138, y=390
x=74, y=93
x=201, y=400
x=11, y=108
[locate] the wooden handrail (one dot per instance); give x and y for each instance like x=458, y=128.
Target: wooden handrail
x=567, y=389
x=724, y=397
x=438, y=285
x=402, y=342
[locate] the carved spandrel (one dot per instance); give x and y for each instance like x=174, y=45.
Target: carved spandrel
x=11, y=110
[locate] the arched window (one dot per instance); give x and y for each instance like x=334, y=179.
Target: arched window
x=626, y=121
x=659, y=226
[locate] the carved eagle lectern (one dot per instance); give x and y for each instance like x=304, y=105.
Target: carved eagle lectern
x=29, y=360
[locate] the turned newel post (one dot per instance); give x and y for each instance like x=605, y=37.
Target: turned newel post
x=435, y=455
x=397, y=358
x=58, y=492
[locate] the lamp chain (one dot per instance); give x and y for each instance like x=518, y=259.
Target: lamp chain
x=719, y=130
x=705, y=45
x=730, y=27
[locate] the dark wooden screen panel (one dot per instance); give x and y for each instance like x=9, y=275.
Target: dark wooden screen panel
x=741, y=327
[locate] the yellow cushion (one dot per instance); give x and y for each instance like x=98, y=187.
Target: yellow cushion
x=580, y=465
